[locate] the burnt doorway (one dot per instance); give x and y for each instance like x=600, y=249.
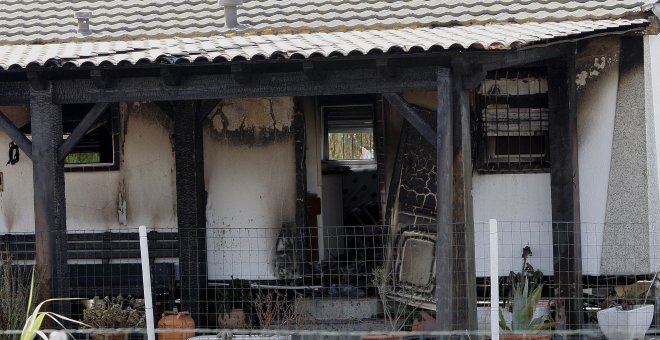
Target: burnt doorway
x=351, y=184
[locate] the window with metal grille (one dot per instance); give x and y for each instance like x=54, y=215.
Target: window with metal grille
x=511, y=122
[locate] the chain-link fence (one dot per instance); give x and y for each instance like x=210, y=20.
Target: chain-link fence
x=348, y=281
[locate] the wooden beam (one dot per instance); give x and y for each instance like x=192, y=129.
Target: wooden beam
x=412, y=116
x=16, y=135
x=241, y=73
x=49, y=197
x=167, y=108
x=101, y=78
x=304, y=251
x=464, y=270
x=191, y=209
x=36, y=81
x=81, y=130
x=171, y=76
x=444, y=281
x=392, y=73
x=384, y=68
x=564, y=174
x=205, y=108
x=312, y=71
x=199, y=87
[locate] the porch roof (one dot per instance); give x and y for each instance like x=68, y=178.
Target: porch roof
x=220, y=48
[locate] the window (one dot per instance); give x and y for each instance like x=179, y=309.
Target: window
x=511, y=122
x=98, y=150
x=349, y=133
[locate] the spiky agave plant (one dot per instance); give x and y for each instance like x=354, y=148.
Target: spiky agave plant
x=35, y=318
x=523, y=307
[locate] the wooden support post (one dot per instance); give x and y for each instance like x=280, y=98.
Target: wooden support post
x=564, y=190
x=191, y=209
x=305, y=248
x=464, y=270
x=49, y=199
x=444, y=281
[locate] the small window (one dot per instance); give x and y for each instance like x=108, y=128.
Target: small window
x=511, y=122
x=349, y=133
x=98, y=150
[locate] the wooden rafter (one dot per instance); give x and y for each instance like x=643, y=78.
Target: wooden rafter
x=412, y=116
x=81, y=129
x=16, y=135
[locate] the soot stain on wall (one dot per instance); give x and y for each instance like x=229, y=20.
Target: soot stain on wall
x=252, y=121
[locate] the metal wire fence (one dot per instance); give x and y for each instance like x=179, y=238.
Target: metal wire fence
x=351, y=281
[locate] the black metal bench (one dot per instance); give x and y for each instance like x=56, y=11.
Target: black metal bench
x=107, y=264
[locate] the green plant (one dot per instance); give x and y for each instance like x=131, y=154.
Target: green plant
x=523, y=303
x=527, y=274
x=523, y=307
x=14, y=294
x=35, y=318
x=399, y=312
x=114, y=312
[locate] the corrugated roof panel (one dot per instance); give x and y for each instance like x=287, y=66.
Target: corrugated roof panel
x=501, y=36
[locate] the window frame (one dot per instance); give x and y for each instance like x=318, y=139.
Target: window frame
x=352, y=163
x=485, y=158
x=114, y=120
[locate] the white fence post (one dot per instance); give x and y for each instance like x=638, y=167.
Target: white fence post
x=146, y=281
x=494, y=282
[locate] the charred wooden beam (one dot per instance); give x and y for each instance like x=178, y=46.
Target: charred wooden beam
x=37, y=81
x=384, y=67
x=100, y=78
x=566, y=235
x=241, y=73
x=444, y=282
x=171, y=76
x=412, y=116
x=49, y=198
x=16, y=135
x=167, y=108
x=205, y=108
x=81, y=130
x=312, y=71
x=199, y=87
x=191, y=208
x=417, y=75
x=464, y=267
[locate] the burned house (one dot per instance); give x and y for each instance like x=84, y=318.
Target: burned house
x=226, y=128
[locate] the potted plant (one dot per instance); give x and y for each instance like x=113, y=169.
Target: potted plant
x=113, y=313
x=234, y=305
x=523, y=323
x=526, y=318
x=628, y=316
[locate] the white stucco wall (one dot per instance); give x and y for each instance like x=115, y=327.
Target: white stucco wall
x=522, y=205
x=250, y=179
x=251, y=186
x=145, y=178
